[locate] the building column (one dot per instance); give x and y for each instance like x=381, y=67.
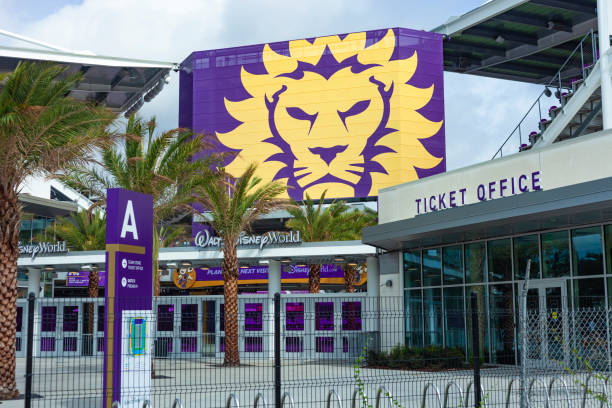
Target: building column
x=603, y=24
x=274, y=277
x=274, y=286
x=373, y=283
x=34, y=281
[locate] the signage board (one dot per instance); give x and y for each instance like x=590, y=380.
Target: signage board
x=349, y=113
x=129, y=273
x=42, y=248
x=81, y=279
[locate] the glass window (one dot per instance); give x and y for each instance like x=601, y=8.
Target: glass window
x=432, y=316
x=501, y=316
x=351, y=315
x=555, y=255
x=48, y=318
x=453, y=265
x=483, y=320
x=589, y=293
x=526, y=247
x=294, y=319
x=189, y=317
x=500, y=262
x=253, y=317
x=25, y=229
x=412, y=269
x=101, y=319
x=165, y=317
x=38, y=228
x=324, y=316
x=454, y=318
x=586, y=251
x=474, y=262
x=414, y=318
x=71, y=318
x=431, y=267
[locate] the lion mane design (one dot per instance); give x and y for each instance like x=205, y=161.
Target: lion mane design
x=332, y=114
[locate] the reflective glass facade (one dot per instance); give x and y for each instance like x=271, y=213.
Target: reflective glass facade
x=439, y=282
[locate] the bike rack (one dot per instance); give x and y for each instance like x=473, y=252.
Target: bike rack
x=285, y=395
x=229, y=401
x=146, y=404
x=586, y=390
x=425, y=395
x=509, y=393
x=543, y=386
x=448, y=386
x=177, y=403
x=329, y=395
x=550, y=389
x=354, y=398
x=258, y=397
x=467, y=394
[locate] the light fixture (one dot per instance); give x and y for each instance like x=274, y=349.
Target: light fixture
x=338, y=259
x=499, y=39
x=285, y=260
x=301, y=265
x=185, y=263
x=86, y=267
x=352, y=263
x=49, y=268
x=263, y=262
x=171, y=265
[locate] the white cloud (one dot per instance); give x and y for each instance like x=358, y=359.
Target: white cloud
x=480, y=112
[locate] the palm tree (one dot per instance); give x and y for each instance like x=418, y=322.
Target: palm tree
x=41, y=132
x=84, y=231
x=233, y=205
x=336, y=222
x=165, y=165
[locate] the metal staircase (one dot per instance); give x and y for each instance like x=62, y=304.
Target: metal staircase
x=568, y=107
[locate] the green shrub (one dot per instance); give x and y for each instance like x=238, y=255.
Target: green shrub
x=430, y=357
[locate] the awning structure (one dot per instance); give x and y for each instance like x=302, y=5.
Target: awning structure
x=523, y=40
x=122, y=84
x=564, y=207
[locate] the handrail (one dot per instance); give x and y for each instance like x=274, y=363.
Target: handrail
x=258, y=397
x=229, y=401
x=555, y=78
x=329, y=395
x=285, y=395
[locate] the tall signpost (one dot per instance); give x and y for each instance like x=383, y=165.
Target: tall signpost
x=127, y=339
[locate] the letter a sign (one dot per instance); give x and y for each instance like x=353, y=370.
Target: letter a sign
x=129, y=287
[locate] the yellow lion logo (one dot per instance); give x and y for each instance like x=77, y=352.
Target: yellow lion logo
x=333, y=114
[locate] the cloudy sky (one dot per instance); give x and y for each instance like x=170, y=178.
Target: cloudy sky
x=480, y=112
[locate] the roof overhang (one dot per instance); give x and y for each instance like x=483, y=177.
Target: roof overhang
x=122, y=84
x=46, y=207
x=564, y=207
x=523, y=40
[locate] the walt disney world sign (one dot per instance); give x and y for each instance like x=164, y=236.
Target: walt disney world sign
x=204, y=239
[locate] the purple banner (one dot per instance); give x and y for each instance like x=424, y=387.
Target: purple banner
x=81, y=279
x=260, y=272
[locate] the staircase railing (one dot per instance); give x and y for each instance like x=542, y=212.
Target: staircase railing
x=562, y=82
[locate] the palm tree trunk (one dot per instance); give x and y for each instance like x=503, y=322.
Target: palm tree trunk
x=350, y=272
x=314, y=278
x=156, y=245
x=9, y=252
x=92, y=292
x=230, y=297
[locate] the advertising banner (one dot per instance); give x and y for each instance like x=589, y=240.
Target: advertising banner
x=81, y=279
x=349, y=113
x=127, y=348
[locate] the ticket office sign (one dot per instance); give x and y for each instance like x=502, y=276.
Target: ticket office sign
x=129, y=249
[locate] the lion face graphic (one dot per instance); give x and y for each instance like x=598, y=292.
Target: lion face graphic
x=330, y=115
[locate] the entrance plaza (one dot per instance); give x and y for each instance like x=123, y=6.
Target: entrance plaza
x=498, y=274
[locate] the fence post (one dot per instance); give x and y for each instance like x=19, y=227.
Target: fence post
x=29, y=348
x=277, y=349
x=523, y=333
x=476, y=350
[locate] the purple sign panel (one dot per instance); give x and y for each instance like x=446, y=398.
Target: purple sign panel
x=260, y=272
x=349, y=113
x=81, y=279
x=129, y=242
